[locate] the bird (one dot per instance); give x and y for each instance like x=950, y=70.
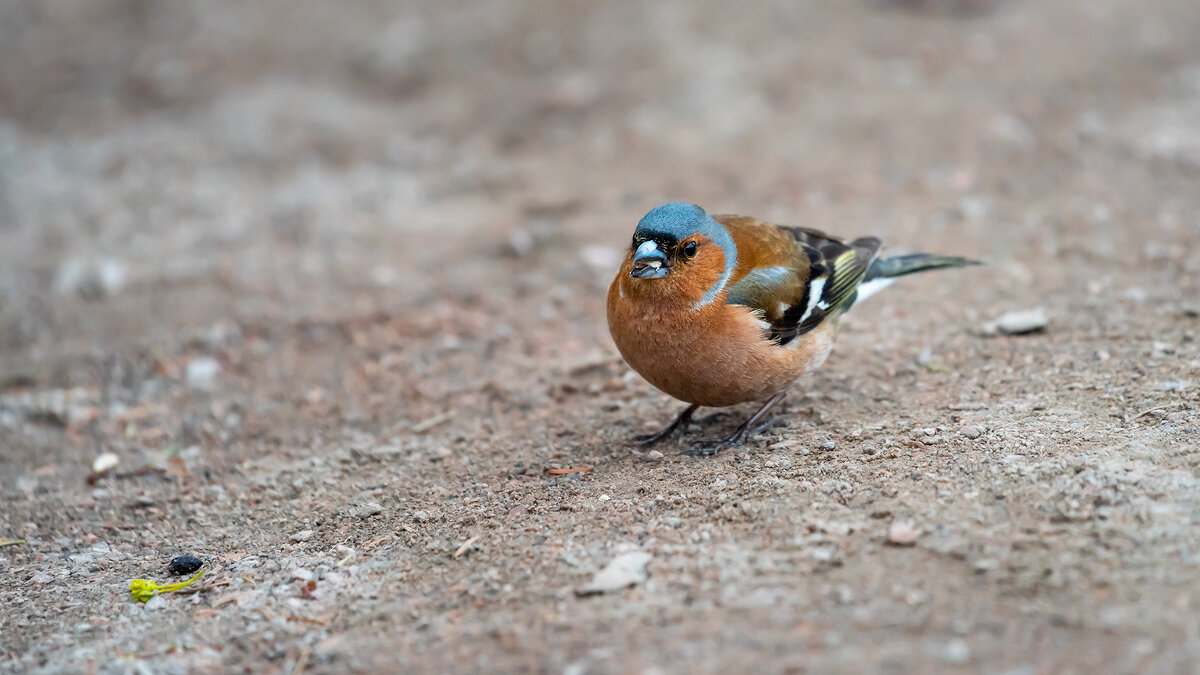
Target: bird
x=719, y=310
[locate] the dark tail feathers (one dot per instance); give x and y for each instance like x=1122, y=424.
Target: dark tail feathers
x=901, y=265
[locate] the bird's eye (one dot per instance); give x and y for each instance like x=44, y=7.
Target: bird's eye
x=689, y=249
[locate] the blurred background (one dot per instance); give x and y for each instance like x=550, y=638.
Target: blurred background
x=282, y=228
x=297, y=159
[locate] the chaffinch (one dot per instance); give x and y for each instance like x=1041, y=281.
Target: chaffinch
x=721, y=310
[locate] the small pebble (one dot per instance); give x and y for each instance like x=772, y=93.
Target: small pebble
x=367, y=510
x=625, y=570
x=156, y=603
x=344, y=553
x=604, y=498
x=956, y=652
x=1019, y=323
x=520, y=243
x=91, y=279
x=654, y=454
x=836, y=529
x=105, y=462
x=420, y=516
x=971, y=432
x=902, y=533
x=201, y=372
x=1135, y=294
x=185, y=564
x=829, y=445
x=302, y=535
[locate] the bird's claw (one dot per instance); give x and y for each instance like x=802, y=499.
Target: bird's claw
x=651, y=440
x=711, y=446
x=708, y=448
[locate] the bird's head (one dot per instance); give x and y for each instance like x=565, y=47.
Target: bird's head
x=679, y=250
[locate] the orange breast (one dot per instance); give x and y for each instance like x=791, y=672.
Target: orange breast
x=714, y=356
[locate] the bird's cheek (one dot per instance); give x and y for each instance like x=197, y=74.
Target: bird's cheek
x=685, y=285
x=708, y=268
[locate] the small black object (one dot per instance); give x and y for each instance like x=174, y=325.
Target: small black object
x=185, y=564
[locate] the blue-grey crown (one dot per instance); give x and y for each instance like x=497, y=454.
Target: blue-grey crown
x=676, y=220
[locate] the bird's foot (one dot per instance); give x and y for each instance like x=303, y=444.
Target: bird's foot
x=678, y=426
x=711, y=446
x=651, y=440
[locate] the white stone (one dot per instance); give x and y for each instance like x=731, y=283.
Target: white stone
x=624, y=570
x=202, y=371
x=1019, y=322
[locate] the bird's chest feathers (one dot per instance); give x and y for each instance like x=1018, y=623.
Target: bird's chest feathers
x=676, y=331
x=695, y=355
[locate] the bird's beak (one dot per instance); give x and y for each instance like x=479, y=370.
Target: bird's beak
x=649, y=262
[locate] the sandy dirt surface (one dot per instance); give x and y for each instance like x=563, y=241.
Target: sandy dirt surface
x=327, y=279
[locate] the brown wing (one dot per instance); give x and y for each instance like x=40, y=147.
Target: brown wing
x=795, y=277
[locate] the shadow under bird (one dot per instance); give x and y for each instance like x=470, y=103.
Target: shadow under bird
x=718, y=310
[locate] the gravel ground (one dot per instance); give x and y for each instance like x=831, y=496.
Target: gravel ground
x=327, y=284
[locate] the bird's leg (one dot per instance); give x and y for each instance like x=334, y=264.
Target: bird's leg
x=666, y=432
x=751, y=427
